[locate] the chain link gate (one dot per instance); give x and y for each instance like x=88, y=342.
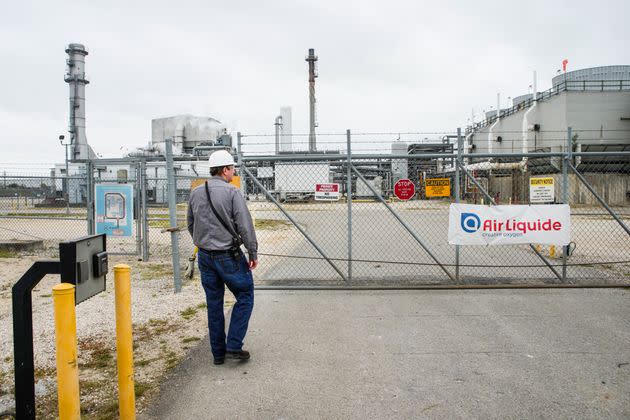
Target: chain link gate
x=376, y=240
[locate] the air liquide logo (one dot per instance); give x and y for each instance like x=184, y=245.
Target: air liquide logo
x=470, y=222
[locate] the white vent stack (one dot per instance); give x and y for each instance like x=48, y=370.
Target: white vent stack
x=76, y=79
x=286, y=133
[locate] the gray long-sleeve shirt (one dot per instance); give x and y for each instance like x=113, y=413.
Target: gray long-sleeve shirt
x=207, y=232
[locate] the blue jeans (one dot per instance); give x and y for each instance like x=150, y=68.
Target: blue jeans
x=218, y=271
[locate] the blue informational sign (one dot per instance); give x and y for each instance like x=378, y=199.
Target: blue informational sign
x=114, y=209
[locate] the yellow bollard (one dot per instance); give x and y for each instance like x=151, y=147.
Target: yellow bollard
x=124, y=342
x=66, y=345
x=552, y=251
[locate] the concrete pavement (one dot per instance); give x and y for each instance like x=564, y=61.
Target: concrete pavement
x=417, y=354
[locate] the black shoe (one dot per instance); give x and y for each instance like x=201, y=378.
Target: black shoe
x=238, y=355
x=219, y=361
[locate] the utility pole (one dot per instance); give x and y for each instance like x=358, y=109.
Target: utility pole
x=311, y=58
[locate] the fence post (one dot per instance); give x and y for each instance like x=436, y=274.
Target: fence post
x=349, y=200
x=565, y=192
x=457, y=192
x=239, y=160
x=145, y=210
x=172, y=210
x=90, y=197
x=138, y=209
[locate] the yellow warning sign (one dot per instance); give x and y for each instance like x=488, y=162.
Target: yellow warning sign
x=236, y=181
x=541, y=181
x=437, y=187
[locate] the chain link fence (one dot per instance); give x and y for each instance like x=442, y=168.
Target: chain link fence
x=38, y=212
x=359, y=233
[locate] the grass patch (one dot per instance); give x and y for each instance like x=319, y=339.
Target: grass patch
x=188, y=313
x=171, y=360
x=271, y=224
x=47, y=214
x=140, y=388
x=202, y=306
x=146, y=362
x=155, y=271
x=5, y=253
x=154, y=327
x=190, y=340
x=88, y=386
x=45, y=296
x=99, y=359
x=421, y=209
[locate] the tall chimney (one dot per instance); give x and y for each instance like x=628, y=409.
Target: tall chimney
x=312, y=74
x=76, y=79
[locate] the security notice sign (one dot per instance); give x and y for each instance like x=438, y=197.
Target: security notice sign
x=327, y=192
x=506, y=225
x=541, y=190
x=114, y=209
x=437, y=187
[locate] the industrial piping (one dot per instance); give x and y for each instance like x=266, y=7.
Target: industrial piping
x=525, y=126
x=494, y=124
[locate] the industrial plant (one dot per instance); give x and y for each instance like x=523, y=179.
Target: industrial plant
x=595, y=102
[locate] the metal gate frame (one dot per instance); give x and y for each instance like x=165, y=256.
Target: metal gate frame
x=456, y=280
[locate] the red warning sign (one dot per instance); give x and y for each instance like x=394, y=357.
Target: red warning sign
x=404, y=189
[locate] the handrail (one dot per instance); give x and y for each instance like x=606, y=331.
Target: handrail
x=564, y=86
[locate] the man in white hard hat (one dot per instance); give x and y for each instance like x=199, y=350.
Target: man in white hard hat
x=219, y=222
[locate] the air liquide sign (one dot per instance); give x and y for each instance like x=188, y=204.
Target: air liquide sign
x=500, y=225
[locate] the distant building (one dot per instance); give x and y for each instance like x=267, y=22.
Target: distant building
x=190, y=134
x=594, y=102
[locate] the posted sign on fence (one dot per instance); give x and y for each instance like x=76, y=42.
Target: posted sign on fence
x=541, y=190
x=437, y=187
x=404, y=189
x=114, y=209
x=505, y=225
x=327, y=192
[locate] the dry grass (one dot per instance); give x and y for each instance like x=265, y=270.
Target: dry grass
x=271, y=224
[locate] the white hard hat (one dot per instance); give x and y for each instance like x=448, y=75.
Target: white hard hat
x=221, y=158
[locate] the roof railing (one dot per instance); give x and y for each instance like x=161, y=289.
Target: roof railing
x=564, y=86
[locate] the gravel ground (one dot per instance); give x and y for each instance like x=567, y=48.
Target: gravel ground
x=165, y=326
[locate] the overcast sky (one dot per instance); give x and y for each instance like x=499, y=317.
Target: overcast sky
x=384, y=66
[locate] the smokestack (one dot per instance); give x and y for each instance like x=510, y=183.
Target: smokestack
x=311, y=58
x=76, y=79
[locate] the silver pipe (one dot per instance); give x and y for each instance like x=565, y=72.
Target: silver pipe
x=388, y=157
x=308, y=238
x=172, y=210
x=402, y=222
x=278, y=124
x=532, y=247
